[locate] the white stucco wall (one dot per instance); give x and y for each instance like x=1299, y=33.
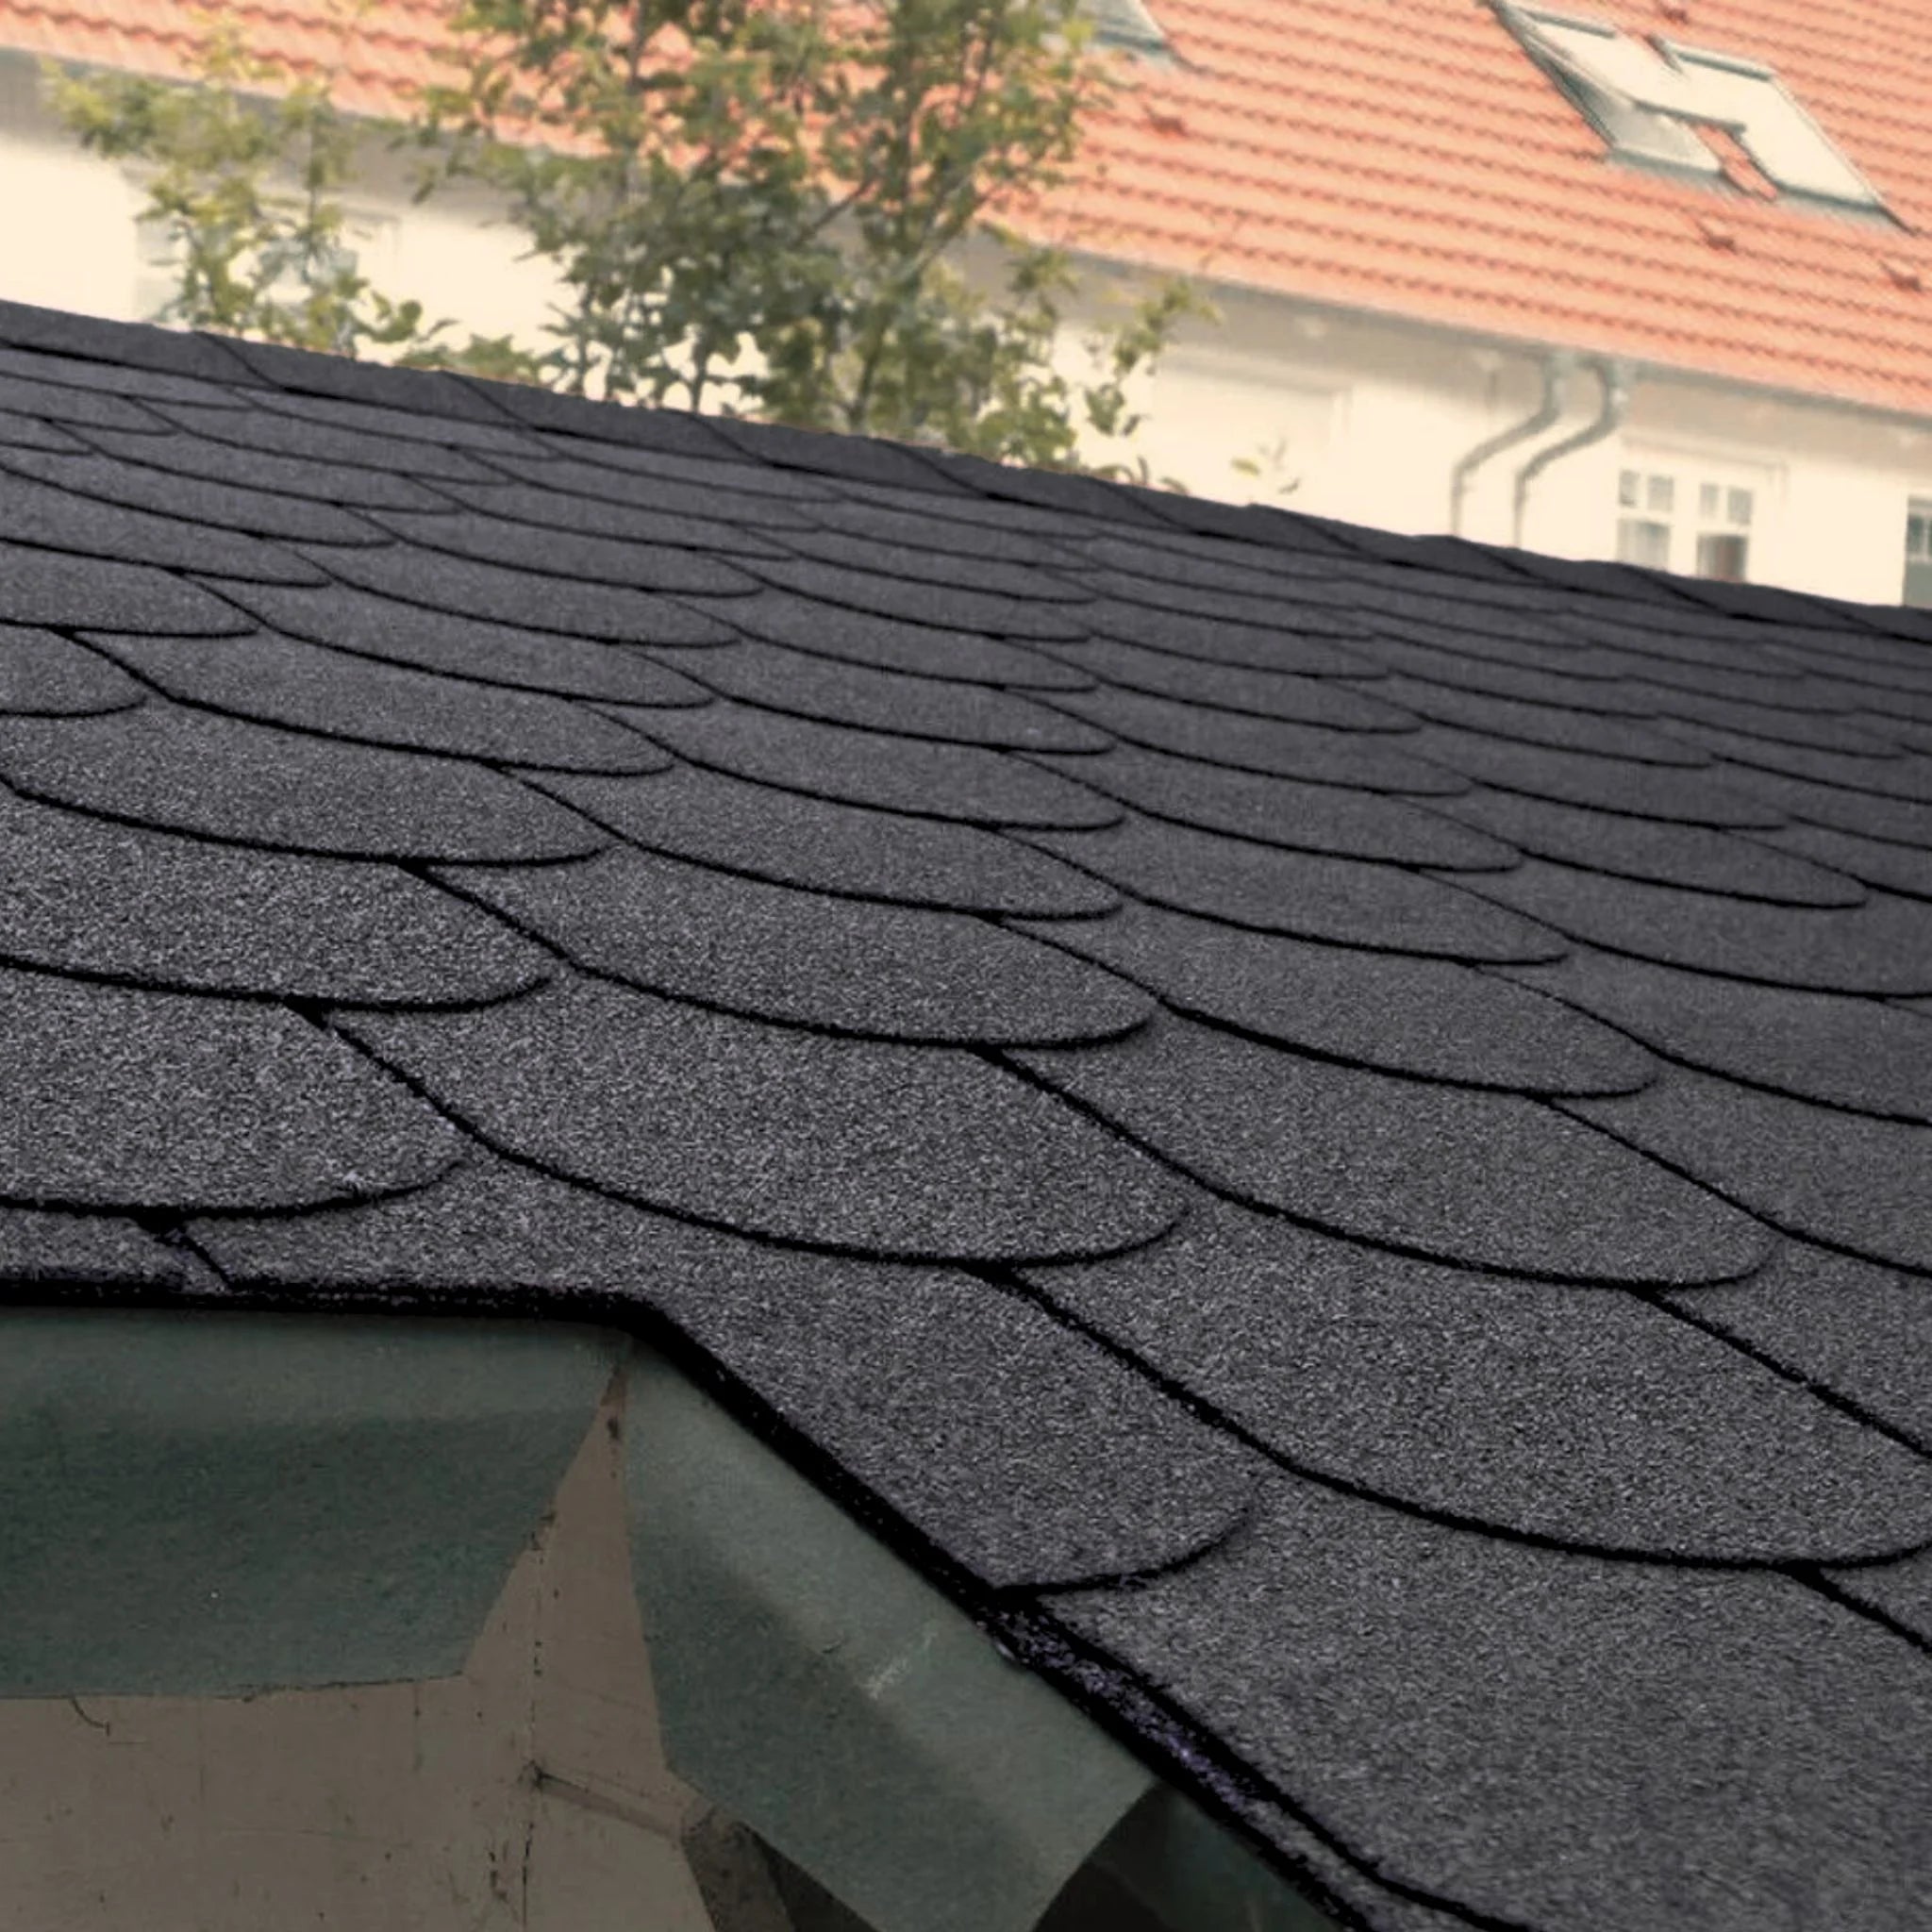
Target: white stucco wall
x=1365, y=417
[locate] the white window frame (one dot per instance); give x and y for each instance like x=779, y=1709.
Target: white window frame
x=1692, y=470
x=1917, y=564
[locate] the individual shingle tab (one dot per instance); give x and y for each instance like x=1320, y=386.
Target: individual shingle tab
x=65, y=403
x=891, y=644
x=1284, y=811
x=1268, y=888
x=1900, y=1591
x=551, y=508
x=1273, y=746
x=435, y=394
x=149, y=366
x=912, y=1380
x=474, y=647
x=90, y=592
x=1023, y=1450
x=222, y=506
x=794, y=840
x=802, y=685
x=1874, y=862
x=571, y=554
x=820, y=453
x=1262, y=607
x=1208, y=562
x=271, y=433
x=1894, y=774
x=1861, y=1332
x=1652, y=849
x=1235, y=687
x=305, y=479
x=1852, y=1053
x=920, y=522
x=1844, y=1179
x=278, y=680
x=1820, y=717
x=114, y=1098
x=1707, y=796
x=447, y=428
x=558, y=419
x=27, y=432
x=502, y=595
x=1486, y=1179
x=901, y=1152
x=39, y=513
x=1296, y=640
x=43, y=674
x=1868, y=814
x=1883, y=946
x=88, y=896
x=1366, y=1662
x=974, y=783
x=1431, y=1019
x=699, y=477
x=256, y=785
x=935, y=604
x=1575, y=681
x=1530, y=1407
x=45, y=1251
x=921, y=564
x=885, y=972
x=1567, y=729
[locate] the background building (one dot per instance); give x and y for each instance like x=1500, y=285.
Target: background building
x=1649, y=281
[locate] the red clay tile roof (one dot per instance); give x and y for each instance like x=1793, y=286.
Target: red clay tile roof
x=1411, y=160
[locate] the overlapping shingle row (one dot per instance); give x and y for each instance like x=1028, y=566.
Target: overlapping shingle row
x=1331, y=1130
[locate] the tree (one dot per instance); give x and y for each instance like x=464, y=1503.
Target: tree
x=759, y=204
x=246, y=166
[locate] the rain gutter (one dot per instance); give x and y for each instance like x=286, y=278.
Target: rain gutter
x=1616, y=383
x=1558, y=368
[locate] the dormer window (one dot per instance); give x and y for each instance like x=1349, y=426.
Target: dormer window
x=1655, y=105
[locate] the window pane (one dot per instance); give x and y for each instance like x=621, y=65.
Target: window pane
x=1915, y=537
x=1739, y=507
x=1626, y=488
x=1787, y=144
x=1721, y=557
x=1640, y=541
x=1707, y=501
x=1660, y=493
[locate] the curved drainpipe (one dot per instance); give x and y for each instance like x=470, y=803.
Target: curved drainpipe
x=1557, y=372
x=1616, y=380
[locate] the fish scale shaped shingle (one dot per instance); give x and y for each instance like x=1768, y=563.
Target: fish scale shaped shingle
x=1333, y=1130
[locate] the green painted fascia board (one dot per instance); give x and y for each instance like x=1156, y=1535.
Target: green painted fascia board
x=815, y=1687
x=196, y=1502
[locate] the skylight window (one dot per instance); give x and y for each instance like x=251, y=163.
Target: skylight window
x=1648, y=103
x=1790, y=148
x=1125, y=23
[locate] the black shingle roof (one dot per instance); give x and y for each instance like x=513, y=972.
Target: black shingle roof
x=1330, y=1131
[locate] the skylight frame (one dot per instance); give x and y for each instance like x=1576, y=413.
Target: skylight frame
x=1683, y=57
x=1618, y=116
x=1127, y=25
x=1642, y=100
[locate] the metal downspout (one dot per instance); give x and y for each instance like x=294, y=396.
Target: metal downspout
x=1616, y=380
x=1558, y=368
